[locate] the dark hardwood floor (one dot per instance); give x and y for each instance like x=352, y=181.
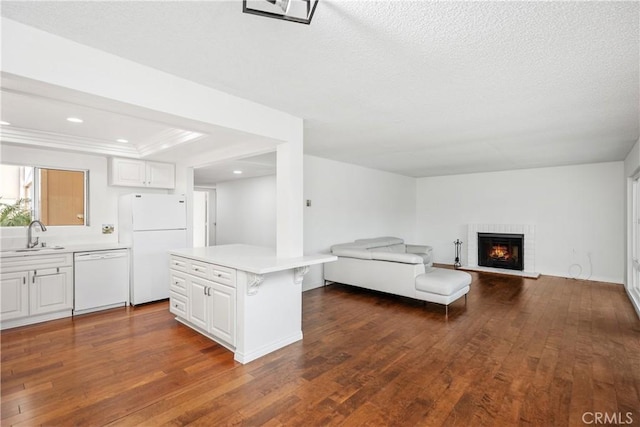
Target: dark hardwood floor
x=521, y=352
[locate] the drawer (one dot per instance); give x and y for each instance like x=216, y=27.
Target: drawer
x=36, y=262
x=204, y=270
x=179, y=263
x=178, y=304
x=224, y=275
x=200, y=269
x=178, y=282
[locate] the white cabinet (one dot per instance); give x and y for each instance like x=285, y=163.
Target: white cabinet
x=35, y=288
x=127, y=172
x=140, y=173
x=50, y=290
x=199, y=310
x=15, y=295
x=160, y=175
x=222, y=303
x=204, y=295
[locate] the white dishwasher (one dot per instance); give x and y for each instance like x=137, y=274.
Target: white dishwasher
x=101, y=280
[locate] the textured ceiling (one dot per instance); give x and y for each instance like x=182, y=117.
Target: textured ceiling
x=417, y=88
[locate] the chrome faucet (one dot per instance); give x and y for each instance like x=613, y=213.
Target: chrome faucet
x=30, y=243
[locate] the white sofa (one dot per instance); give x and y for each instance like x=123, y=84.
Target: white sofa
x=387, y=264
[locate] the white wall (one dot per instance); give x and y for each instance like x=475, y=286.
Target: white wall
x=246, y=212
x=351, y=202
x=577, y=211
x=103, y=199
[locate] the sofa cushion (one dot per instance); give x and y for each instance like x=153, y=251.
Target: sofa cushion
x=378, y=241
x=396, y=257
x=380, y=248
x=442, y=281
x=350, y=245
x=399, y=248
x=419, y=249
x=426, y=259
x=350, y=252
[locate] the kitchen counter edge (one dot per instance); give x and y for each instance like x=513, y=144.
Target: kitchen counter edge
x=88, y=247
x=252, y=259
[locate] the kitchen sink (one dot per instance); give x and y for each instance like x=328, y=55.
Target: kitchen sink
x=45, y=249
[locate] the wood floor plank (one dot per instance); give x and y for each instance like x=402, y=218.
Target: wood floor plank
x=520, y=352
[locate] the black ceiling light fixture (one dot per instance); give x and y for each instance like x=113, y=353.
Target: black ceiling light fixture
x=300, y=11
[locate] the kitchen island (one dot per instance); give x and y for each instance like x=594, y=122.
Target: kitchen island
x=241, y=296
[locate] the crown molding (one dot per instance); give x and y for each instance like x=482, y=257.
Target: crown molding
x=166, y=139
x=39, y=139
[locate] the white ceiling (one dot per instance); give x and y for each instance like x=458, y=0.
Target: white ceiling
x=100, y=128
x=250, y=167
x=37, y=115
x=417, y=88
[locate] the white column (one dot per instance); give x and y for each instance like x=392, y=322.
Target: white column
x=289, y=189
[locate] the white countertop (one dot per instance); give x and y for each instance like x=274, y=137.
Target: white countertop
x=253, y=259
x=84, y=247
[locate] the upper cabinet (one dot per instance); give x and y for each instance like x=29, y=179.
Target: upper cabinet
x=140, y=173
x=161, y=175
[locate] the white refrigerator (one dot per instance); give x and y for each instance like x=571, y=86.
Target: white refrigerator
x=152, y=224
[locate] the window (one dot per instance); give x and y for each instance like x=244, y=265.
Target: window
x=54, y=196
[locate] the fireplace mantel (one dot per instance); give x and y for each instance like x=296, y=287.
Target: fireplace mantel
x=529, y=232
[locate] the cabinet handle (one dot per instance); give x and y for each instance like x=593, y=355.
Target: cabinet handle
x=24, y=280
x=204, y=290
x=209, y=292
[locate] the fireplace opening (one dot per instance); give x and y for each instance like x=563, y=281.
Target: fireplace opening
x=501, y=250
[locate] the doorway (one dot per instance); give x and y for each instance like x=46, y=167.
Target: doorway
x=204, y=217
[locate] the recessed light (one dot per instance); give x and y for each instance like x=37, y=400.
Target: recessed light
x=124, y=141
x=74, y=120
x=3, y=123
x=237, y=172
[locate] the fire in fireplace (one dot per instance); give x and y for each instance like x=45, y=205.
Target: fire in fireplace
x=500, y=250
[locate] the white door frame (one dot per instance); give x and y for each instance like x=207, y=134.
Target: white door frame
x=633, y=245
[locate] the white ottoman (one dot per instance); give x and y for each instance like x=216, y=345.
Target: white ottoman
x=442, y=286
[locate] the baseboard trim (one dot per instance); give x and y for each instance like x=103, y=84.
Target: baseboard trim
x=526, y=274
x=635, y=303
x=38, y=318
x=266, y=349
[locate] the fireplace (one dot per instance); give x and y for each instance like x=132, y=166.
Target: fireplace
x=501, y=250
